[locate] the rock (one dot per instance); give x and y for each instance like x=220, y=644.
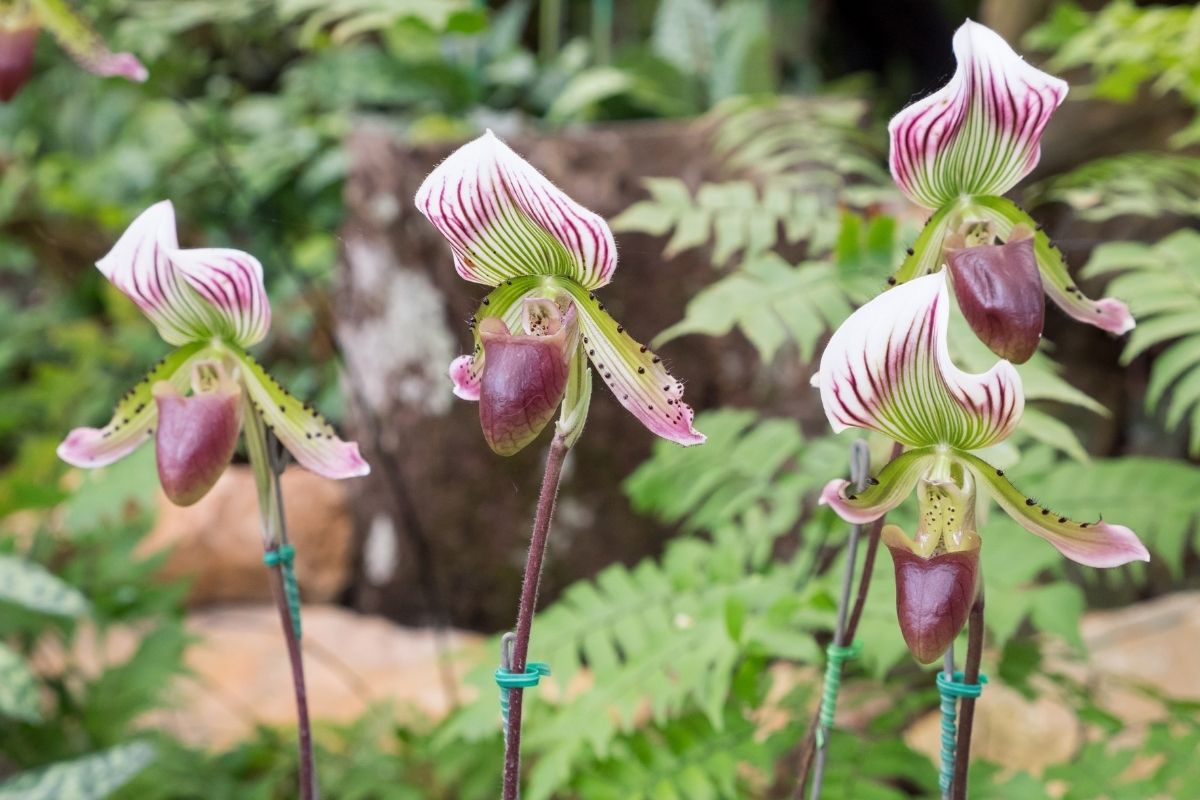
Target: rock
x=217, y=542
x=1010, y=730
x=240, y=675
x=1148, y=645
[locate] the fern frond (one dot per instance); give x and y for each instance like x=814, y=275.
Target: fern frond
x=1162, y=286
x=1133, y=184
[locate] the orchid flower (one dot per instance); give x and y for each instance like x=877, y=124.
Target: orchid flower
x=888, y=369
x=20, y=23
x=210, y=304
x=956, y=152
x=545, y=255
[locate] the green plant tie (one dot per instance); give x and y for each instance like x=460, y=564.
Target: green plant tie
x=508, y=680
x=836, y=656
x=283, y=557
x=951, y=690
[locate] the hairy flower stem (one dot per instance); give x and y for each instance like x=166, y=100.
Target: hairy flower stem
x=267, y=471
x=529, y=593
x=966, y=712
x=808, y=745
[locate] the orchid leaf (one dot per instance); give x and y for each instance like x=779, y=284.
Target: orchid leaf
x=28, y=584
x=91, y=777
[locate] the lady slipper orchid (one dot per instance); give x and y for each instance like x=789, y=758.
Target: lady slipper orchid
x=20, y=23
x=888, y=369
x=545, y=255
x=210, y=304
x=955, y=152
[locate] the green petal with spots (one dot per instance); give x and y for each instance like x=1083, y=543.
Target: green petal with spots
x=133, y=418
x=894, y=483
x=1107, y=313
x=1094, y=544
x=636, y=375
x=304, y=432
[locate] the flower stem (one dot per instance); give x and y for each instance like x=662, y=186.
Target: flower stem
x=529, y=592
x=267, y=471
x=966, y=712
x=808, y=744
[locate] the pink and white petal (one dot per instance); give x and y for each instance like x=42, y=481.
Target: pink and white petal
x=133, y=419
x=466, y=377
x=504, y=219
x=231, y=282
x=981, y=132
x=895, y=482
x=635, y=375
x=84, y=44
x=139, y=265
x=303, y=431
x=1093, y=544
x=1107, y=313
x=888, y=369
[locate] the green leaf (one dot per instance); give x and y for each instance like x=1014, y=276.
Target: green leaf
x=27, y=584
x=18, y=688
x=91, y=777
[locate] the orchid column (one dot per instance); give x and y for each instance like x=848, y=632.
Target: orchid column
x=211, y=304
x=544, y=255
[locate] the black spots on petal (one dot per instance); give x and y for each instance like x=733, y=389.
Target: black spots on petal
x=851, y=497
x=1084, y=524
x=282, y=410
x=620, y=329
x=873, y=481
x=487, y=302
x=891, y=280
x=1000, y=472
x=642, y=349
x=641, y=370
x=656, y=360
x=1029, y=501
x=1062, y=520
x=1045, y=511
x=909, y=251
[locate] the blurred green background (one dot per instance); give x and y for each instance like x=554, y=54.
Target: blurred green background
x=692, y=670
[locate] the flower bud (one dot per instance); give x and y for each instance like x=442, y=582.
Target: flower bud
x=999, y=290
x=17, y=39
x=937, y=574
x=524, y=375
x=197, y=434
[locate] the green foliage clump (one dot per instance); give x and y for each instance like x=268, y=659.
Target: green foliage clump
x=1162, y=287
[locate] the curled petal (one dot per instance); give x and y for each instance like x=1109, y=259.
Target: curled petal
x=16, y=56
x=231, y=282
x=504, y=219
x=895, y=482
x=981, y=132
x=1107, y=313
x=84, y=44
x=525, y=380
x=1093, y=544
x=196, y=435
x=304, y=432
x=139, y=264
x=888, y=369
x=1000, y=294
x=634, y=374
x=133, y=418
